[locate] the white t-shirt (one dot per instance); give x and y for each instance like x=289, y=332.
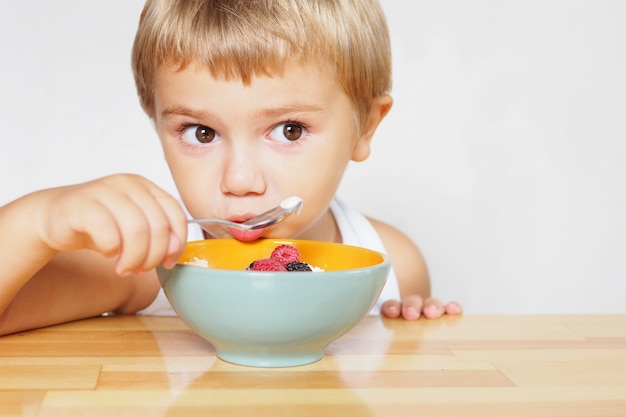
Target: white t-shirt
x=355, y=230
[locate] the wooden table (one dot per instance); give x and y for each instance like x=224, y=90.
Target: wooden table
x=457, y=366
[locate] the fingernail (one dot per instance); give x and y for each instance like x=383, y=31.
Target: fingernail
x=432, y=311
x=173, y=244
x=412, y=312
x=394, y=310
x=168, y=263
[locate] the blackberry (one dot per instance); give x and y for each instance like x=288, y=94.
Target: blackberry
x=298, y=266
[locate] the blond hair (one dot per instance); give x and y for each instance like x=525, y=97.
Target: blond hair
x=243, y=38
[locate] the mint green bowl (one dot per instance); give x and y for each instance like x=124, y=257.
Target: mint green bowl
x=273, y=319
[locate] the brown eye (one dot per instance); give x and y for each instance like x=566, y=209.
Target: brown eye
x=292, y=131
x=205, y=134
x=288, y=132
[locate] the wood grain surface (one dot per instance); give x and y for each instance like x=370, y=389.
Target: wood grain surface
x=456, y=366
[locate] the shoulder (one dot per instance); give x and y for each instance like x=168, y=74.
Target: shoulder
x=407, y=259
x=396, y=242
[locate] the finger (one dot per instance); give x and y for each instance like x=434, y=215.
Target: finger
x=167, y=222
x=433, y=308
x=102, y=234
x=143, y=212
x=412, y=307
x=73, y=219
x=391, y=309
x=95, y=228
x=453, y=308
x=99, y=215
x=117, y=215
x=177, y=221
x=134, y=228
x=174, y=251
x=159, y=228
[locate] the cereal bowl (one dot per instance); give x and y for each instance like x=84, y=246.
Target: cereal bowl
x=273, y=319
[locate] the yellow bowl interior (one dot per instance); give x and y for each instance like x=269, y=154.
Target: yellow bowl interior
x=232, y=254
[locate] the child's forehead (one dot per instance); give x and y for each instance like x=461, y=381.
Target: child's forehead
x=315, y=69
x=300, y=88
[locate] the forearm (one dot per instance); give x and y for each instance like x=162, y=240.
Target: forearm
x=22, y=255
x=415, y=283
x=40, y=286
x=76, y=285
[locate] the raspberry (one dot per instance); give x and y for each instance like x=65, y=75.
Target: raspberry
x=266, y=264
x=286, y=254
x=298, y=266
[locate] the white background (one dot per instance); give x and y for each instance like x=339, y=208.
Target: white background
x=503, y=157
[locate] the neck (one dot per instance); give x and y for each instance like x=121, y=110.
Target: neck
x=324, y=229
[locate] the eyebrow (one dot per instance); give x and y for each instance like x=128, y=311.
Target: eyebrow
x=268, y=112
x=290, y=108
x=183, y=111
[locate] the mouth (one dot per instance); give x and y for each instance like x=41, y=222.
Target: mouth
x=246, y=235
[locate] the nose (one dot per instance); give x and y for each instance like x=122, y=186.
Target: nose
x=242, y=172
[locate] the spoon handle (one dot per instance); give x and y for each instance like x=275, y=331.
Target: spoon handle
x=220, y=222
x=265, y=219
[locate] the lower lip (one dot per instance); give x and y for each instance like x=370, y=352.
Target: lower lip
x=246, y=235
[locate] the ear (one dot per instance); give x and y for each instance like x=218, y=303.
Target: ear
x=380, y=107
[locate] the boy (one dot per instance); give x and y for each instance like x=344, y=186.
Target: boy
x=253, y=102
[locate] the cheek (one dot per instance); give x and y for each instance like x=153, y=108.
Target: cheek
x=314, y=177
x=183, y=164
x=328, y=158
x=196, y=181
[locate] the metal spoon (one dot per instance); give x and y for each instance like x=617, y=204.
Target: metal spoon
x=260, y=221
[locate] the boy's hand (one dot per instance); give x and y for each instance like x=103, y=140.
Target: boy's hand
x=126, y=216
x=413, y=307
